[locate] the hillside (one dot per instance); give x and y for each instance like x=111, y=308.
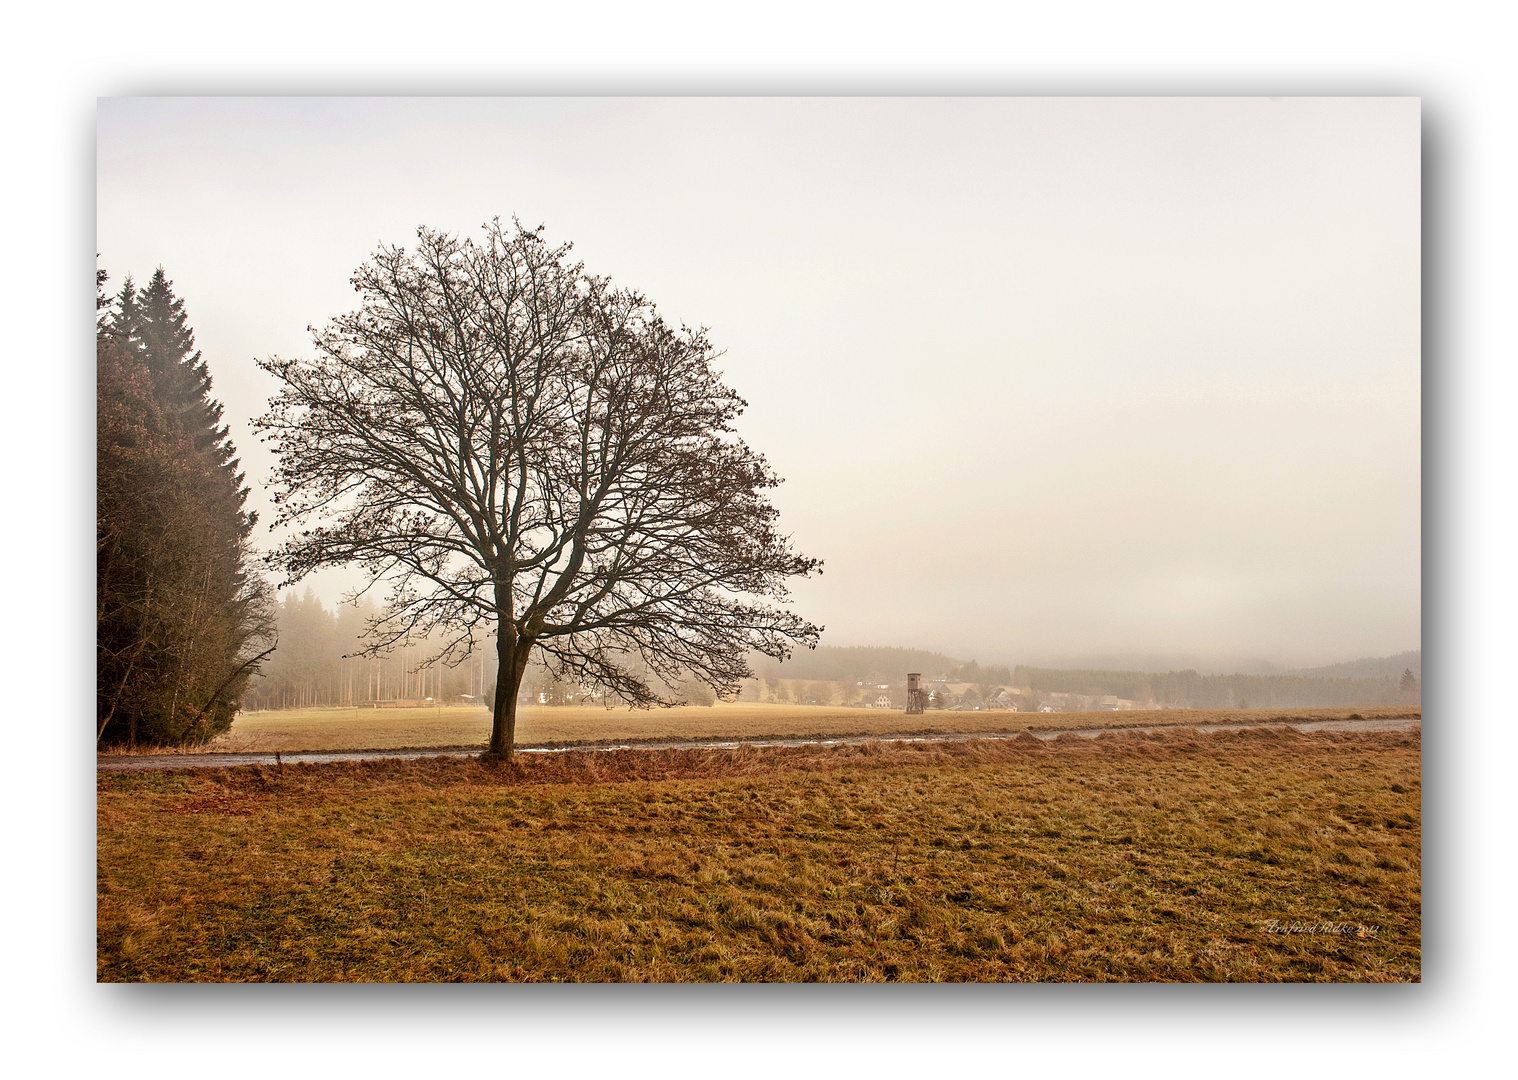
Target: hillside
x=1337, y=685
x=1386, y=667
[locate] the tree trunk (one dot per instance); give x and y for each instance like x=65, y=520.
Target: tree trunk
x=511, y=664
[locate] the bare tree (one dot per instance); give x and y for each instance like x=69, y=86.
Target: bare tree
x=515, y=445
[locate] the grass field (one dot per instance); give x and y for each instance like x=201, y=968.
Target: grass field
x=1257, y=855
x=382, y=729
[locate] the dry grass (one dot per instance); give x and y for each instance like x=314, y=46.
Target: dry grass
x=1127, y=857
x=388, y=729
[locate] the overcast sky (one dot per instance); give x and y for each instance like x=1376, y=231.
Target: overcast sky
x=1049, y=380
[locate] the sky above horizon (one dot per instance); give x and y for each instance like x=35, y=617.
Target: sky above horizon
x=1049, y=380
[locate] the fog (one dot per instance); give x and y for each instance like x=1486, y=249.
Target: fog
x=1049, y=380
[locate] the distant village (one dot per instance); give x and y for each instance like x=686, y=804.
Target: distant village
x=943, y=695
x=1184, y=690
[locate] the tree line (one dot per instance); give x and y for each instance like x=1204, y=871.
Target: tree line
x=182, y=617
x=1191, y=690
x=322, y=662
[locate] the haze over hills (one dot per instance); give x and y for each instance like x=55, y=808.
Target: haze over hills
x=1387, y=667
x=853, y=663
x=1365, y=668
x=856, y=662
x=317, y=665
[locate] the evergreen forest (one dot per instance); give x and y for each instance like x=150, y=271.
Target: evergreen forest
x=182, y=617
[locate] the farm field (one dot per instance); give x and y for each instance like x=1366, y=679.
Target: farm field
x=388, y=729
x=1177, y=855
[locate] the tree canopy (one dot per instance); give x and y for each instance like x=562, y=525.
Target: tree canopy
x=517, y=446
x=181, y=618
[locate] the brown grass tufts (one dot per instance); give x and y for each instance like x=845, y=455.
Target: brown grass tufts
x=1175, y=855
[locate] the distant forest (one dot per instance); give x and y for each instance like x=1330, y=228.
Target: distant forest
x=1390, y=681
x=317, y=664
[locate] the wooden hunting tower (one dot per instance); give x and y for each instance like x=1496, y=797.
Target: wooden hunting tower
x=917, y=697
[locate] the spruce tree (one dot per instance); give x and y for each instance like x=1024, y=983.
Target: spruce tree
x=181, y=376
x=181, y=617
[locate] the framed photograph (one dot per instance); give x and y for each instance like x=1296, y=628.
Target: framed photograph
x=759, y=539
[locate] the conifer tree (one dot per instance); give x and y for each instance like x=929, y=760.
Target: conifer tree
x=181, y=619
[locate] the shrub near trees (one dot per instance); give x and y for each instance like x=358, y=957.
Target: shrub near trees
x=181, y=621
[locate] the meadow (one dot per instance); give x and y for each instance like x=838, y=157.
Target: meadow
x=454, y=727
x=1253, y=855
